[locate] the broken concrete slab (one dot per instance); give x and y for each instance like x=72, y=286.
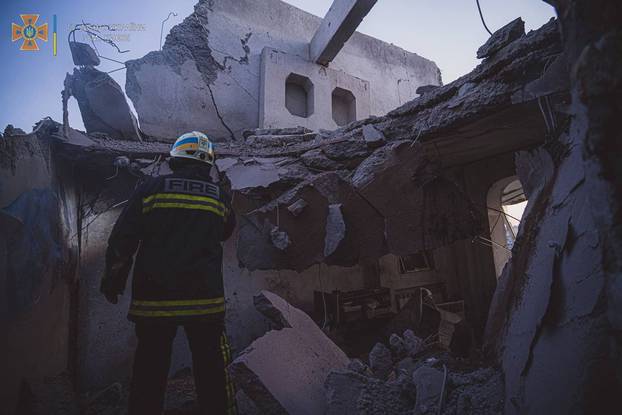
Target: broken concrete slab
x=425, y=209
x=284, y=371
x=83, y=54
x=502, y=37
x=102, y=104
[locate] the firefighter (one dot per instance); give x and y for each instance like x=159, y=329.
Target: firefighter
x=176, y=225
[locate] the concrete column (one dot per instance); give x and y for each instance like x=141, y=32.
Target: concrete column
x=340, y=22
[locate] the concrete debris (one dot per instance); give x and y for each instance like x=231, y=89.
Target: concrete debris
x=358, y=366
x=501, y=38
x=10, y=131
x=349, y=392
x=83, y=54
x=276, y=132
x=424, y=89
x=279, y=239
x=373, y=137
x=102, y=104
x=429, y=384
x=412, y=343
x=264, y=141
x=335, y=229
x=380, y=361
x=297, y=207
x=479, y=392
x=284, y=371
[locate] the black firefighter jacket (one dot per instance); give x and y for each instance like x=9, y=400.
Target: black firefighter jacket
x=177, y=222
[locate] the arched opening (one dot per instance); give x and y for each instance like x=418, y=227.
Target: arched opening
x=506, y=203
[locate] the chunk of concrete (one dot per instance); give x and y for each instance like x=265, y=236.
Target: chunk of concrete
x=429, y=382
x=83, y=54
x=380, y=361
x=284, y=371
x=335, y=229
x=102, y=104
x=372, y=136
x=501, y=38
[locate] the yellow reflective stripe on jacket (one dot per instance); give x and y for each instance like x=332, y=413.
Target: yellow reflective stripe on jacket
x=177, y=313
x=180, y=196
x=173, y=303
x=164, y=205
x=229, y=386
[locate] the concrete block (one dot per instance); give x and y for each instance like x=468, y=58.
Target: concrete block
x=501, y=38
x=277, y=66
x=284, y=371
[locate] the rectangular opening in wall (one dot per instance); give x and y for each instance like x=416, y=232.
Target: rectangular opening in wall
x=299, y=99
x=344, y=106
x=420, y=261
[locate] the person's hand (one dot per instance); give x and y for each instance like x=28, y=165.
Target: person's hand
x=106, y=288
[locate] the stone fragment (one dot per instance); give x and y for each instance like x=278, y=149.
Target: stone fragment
x=501, y=38
x=372, y=136
x=424, y=89
x=83, y=54
x=102, y=104
x=316, y=159
x=285, y=370
x=397, y=345
x=335, y=229
x=428, y=382
x=380, y=361
x=412, y=343
x=297, y=207
x=357, y=365
x=279, y=238
x=254, y=173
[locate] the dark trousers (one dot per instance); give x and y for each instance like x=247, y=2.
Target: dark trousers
x=152, y=361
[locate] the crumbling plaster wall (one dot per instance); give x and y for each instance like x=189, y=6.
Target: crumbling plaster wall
x=213, y=59
x=557, y=312
x=37, y=264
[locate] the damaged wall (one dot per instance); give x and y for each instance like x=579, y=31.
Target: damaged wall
x=207, y=76
x=557, y=310
x=38, y=259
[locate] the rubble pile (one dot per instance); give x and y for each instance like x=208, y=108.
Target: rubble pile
x=295, y=368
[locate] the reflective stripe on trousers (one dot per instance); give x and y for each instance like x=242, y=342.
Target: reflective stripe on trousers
x=177, y=308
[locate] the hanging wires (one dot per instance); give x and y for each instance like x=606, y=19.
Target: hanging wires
x=481, y=16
